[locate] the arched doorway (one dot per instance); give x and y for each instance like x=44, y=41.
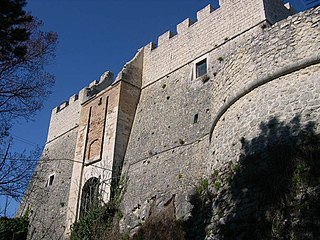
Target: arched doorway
x=89, y=196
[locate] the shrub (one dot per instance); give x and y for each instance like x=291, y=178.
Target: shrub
x=95, y=223
x=203, y=186
x=14, y=228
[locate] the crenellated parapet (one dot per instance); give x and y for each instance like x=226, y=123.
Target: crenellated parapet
x=65, y=104
x=84, y=94
x=212, y=28
x=65, y=117
x=182, y=27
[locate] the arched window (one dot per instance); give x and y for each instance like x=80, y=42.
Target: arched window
x=94, y=150
x=89, y=196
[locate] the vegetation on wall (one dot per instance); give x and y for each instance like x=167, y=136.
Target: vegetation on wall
x=95, y=224
x=161, y=225
x=273, y=192
x=101, y=220
x=14, y=228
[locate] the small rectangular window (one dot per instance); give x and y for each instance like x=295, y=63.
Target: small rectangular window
x=201, y=68
x=50, y=180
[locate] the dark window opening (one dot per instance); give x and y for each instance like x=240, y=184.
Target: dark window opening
x=201, y=68
x=195, y=118
x=50, y=181
x=89, y=196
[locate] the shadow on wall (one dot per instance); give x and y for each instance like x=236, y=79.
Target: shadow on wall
x=162, y=224
x=274, y=190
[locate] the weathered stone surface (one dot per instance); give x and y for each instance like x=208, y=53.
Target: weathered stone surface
x=190, y=135
x=47, y=205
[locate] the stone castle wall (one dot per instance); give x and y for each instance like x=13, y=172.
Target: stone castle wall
x=104, y=128
x=97, y=124
x=185, y=128
x=212, y=28
x=47, y=205
x=64, y=118
x=287, y=54
x=169, y=153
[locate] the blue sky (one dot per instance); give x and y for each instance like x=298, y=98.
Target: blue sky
x=96, y=36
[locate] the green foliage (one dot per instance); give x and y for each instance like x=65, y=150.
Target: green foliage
x=181, y=141
x=297, y=177
x=161, y=225
x=273, y=187
x=125, y=236
x=215, y=174
x=14, y=228
x=164, y=86
x=13, y=31
x=228, y=180
x=95, y=223
x=236, y=168
x=203, y=186
x=100, y=222
x=217, y=185
x=119, y=190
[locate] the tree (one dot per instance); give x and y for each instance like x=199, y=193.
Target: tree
x=24, y=84
x=24, y=51
x=15, y=172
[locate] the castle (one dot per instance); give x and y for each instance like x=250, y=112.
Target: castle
x=176, y=113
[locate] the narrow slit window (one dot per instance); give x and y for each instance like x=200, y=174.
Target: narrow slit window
x=201, y=68
x=50, y=180
x=195, y=118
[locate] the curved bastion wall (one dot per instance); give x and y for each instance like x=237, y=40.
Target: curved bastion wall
x=263, y=74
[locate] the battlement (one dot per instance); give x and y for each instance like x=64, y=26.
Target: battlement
x=182, y=27
x=65, y=104
x=132, y=70
x=213, y=27
x=93, y=88
x=65, y=117
x=227, y=5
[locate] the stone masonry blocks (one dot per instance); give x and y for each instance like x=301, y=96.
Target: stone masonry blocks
x=164, y=121
x=183, y=26
x=155, y=128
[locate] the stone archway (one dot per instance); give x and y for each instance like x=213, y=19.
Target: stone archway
x=89, y=195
